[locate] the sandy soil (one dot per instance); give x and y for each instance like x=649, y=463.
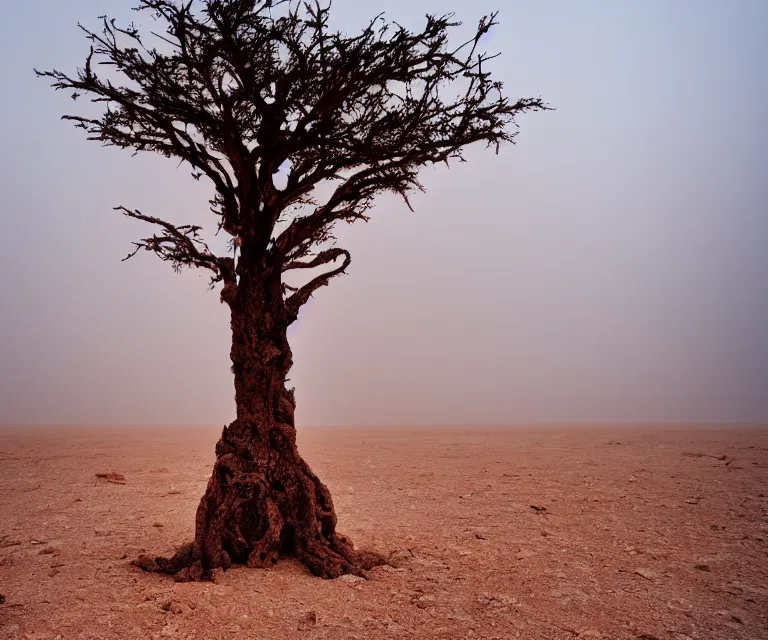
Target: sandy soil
x=633, y=536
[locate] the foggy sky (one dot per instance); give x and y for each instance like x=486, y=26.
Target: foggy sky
x=610, y=267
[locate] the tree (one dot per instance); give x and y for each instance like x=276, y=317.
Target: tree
x=269, y=103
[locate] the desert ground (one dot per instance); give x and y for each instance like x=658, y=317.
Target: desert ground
x=636, y=533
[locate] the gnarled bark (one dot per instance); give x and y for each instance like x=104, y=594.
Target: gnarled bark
x=262, y=500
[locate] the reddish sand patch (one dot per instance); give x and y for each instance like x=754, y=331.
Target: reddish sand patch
x=500, y=533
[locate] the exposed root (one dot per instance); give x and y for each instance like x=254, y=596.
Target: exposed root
x=263, y=502
x=323, y=559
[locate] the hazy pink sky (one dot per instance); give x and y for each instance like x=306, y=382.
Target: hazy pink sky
x=610, y=267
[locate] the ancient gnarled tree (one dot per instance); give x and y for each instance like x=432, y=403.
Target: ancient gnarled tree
x=269, y=103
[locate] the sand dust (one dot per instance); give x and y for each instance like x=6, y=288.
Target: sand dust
x=499, y=533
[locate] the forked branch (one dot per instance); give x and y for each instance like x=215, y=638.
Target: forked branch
x=294, y=302
x=181, y=246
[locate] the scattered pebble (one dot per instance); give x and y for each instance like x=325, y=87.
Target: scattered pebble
x=497, y=601
x=112, y=476
x=308, y=620
x=422, y=602
x=648, y=574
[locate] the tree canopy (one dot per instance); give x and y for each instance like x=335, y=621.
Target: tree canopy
x=267, y=101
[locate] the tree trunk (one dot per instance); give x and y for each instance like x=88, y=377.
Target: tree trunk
x=262, y=500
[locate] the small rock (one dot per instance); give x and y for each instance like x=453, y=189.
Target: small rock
x=394, y=627
x=546, y=534
x=648, y=574
x=632, y=479
x=590, y=633
x=53, y=572
x=157, y=524
x=102, y=532
x=352, y=579
x=386, y=568
x=537, y=508
x=691, y=501
x=308, y=620
x=425, y=601
x=166, y=606
x=702, y=567
x=499, y=601
x=2, y=599
x=112, y=477
x=11, y=630
x=480, y=535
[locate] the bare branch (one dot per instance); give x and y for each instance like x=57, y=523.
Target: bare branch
x=324, y=257
x=180, y=245
x=244, y=90
x=295, y=301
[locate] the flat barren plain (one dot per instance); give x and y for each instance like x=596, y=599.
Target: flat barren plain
x=634, y=533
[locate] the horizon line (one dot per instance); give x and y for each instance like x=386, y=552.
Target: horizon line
x=601, y=423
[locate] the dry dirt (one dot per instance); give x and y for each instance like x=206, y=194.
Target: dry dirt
x=635, y=535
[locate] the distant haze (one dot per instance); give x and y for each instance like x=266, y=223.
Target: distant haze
x=610, y=267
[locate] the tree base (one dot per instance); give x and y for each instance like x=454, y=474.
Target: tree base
x=263, y=502
x=324, y=561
